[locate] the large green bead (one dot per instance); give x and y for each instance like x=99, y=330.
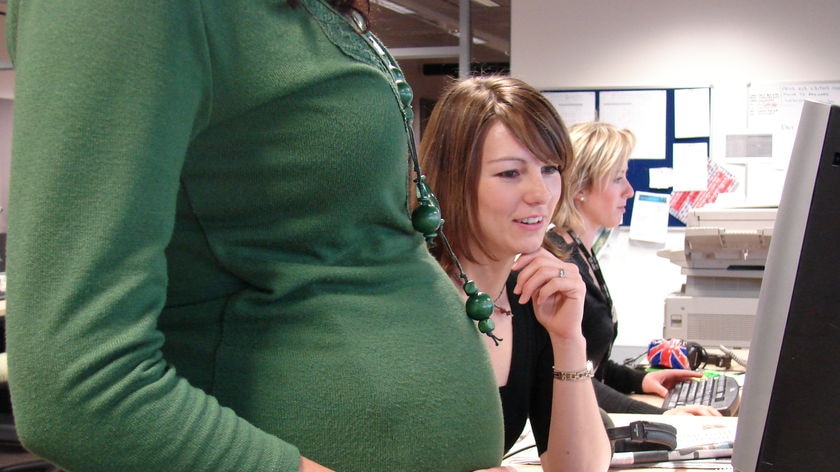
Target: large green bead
x=426, y=219
x=486, y=325
x=479, y=306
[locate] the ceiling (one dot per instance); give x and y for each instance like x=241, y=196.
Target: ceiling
x=433, y=23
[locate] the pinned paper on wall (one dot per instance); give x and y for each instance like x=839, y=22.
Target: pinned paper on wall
x=776, y=108
x=644, y=113
x=661, y=177
x=764, y=184
x=573, y=107
x=649, y=221
x=691, y=112
x=690, y=167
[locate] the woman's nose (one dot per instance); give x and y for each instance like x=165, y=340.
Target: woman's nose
x=538, y=191
x=629, y=192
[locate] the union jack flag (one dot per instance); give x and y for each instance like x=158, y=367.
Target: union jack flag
x=668, y=354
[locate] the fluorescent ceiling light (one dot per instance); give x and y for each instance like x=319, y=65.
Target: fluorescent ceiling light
x=475, y=39
x=487, y=3
x=394, y=7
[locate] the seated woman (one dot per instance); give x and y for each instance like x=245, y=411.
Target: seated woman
x=596, y=181
x=493, y=152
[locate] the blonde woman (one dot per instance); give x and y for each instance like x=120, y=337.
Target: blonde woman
x=597, y=193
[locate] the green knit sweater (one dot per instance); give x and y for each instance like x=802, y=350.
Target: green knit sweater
x=211, y=265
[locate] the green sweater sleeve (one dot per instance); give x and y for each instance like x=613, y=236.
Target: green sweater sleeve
x=108, y=96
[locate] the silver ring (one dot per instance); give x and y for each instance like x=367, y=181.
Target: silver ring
x=562, y=273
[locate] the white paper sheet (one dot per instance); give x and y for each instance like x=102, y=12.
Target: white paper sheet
x=641, y=111
x=649, y=221
x=691, y=167
x=691, y=113
x=573, y=107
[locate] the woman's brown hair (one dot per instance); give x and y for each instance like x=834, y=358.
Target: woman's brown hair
x=450, y=149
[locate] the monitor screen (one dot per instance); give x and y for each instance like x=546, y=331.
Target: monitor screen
x=790, y=412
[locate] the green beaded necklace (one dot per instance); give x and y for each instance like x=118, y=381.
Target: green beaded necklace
x=426, y=217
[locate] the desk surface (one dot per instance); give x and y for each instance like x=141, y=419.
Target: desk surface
x=536, y=468
x=695, y=430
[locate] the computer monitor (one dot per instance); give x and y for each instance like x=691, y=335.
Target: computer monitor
x=790, y=409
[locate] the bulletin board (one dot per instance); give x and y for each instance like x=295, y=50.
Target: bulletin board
x=668, y=123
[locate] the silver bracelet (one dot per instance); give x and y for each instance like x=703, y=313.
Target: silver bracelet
x=583, y=374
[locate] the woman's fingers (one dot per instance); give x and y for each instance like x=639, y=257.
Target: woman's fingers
x=542, y=270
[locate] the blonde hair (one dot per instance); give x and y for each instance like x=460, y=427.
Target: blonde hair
x=450, y=150
x=599, y=150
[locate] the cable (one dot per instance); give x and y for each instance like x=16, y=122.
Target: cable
x=630, y=361
x=734, y=356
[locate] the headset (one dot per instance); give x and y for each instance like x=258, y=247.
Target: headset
x=643, y=436
x=701, y=358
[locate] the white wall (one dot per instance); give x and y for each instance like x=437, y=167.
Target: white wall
x=601, y=43
x=725, y=44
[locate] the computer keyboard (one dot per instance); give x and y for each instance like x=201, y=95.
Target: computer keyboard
x=722, y=393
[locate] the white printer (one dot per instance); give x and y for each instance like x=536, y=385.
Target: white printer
x=723, y=260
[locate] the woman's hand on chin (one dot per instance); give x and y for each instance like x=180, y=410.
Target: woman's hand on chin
x=556, y=290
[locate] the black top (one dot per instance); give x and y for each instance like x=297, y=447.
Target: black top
x=612, y=380
x=528, y=390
